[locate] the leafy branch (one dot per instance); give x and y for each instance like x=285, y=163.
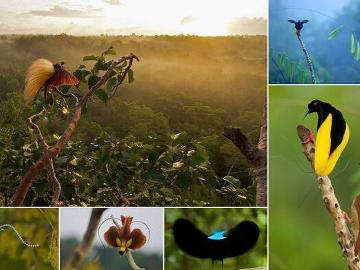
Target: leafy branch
x=117, y=71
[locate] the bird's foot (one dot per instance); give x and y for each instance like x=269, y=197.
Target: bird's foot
x=309, y=139
x=347, y=217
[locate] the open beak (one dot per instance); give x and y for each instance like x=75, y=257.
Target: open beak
x=122, y=250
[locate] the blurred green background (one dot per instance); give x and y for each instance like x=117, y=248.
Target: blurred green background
x=36, y=226
x=209, y=220
x=301, y=229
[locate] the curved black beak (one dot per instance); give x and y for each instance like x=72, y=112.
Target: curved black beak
x=306, y=113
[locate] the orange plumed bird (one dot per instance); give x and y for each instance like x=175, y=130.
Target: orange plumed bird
x=44, y=73
x=123, y=237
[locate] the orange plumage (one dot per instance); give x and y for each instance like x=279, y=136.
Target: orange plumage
x=43, y=73
x=123, y=237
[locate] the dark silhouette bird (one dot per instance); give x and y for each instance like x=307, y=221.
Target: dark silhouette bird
x=332, y=136
x=123, y=237
x=298, y=25
x=44, y=73
x=218, y=245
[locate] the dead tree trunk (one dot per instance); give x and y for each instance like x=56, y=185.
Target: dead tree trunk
x=256, y=155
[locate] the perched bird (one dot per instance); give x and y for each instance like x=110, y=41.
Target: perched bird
x=298, y=25
x=123, y=237
x=44, y=73
x=218, y=245
x=332, y=136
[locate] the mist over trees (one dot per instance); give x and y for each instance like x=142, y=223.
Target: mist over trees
x=159, y=139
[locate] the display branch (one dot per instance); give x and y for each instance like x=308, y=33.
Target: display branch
x=346, y=237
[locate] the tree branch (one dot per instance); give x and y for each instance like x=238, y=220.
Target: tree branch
x=131, y=261
x=84, y=247
x=51, y=152
x=55, y=182
x=345, y=239
x=307, y=57
x=255, y=155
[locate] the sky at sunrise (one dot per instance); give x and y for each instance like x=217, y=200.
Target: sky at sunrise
x=142, y=17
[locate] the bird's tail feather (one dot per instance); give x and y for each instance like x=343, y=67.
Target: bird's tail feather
x=36, y=76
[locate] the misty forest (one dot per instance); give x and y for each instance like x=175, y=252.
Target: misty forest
x=156, y=139
x=331, y=38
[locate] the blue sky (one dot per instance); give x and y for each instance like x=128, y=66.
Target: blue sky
x=148, y=17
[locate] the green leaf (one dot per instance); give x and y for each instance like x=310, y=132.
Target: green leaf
x=110, y=51
x=301, y=76
x=64, y=110
x=93, y=79
x=101, y=94
x=74, y=161
x=232, y=180
x=90, y=57
x=111, y=83
x=291, y=71
x=130, y=76
x=334, y=33
x=81, y=67
x=352, y=41
x=357, y=54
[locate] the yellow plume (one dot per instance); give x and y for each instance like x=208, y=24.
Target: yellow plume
x=36, y=76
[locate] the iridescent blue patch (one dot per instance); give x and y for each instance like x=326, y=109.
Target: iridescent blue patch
x=219, y=235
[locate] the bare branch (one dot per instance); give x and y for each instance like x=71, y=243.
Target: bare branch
x=256, y=155
x=131, y=261
x=307, y=57
x=345, y=239
x=84, y=247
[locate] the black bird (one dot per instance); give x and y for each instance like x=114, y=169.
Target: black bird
x=298, y=25
x=332, y=136
x=218, y=245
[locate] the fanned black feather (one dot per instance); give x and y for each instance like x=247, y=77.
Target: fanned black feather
x=197, y=244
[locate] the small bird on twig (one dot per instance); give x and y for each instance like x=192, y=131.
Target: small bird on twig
x=298, y=25
x=44, y=73
x=332, y=136
x=123, y=238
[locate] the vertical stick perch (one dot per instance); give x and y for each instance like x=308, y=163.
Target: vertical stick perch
x=307, y=57
x=345, y=238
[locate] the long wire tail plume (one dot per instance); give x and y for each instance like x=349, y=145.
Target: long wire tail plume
x=2, y=227
x=36, y=76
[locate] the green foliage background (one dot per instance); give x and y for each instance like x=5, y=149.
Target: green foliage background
x=158, y=138
x=301, y=230
x=36, y=226
x=209, y=220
